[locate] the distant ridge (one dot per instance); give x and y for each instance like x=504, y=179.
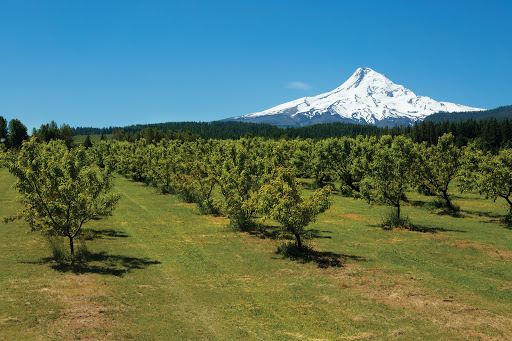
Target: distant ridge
x=500, y=113
x=367, y=97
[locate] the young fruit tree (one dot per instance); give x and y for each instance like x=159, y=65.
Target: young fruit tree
x=490, y=174
x=436, y=166
x=390, y=174
x=60, y=189
x=281, y=201
x=240, y=178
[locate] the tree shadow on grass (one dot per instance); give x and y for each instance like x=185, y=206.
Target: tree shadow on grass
x=268, y=232
x=323, y=259
x=99, y=263
x=91, y=234
x=438, y=207
x=416, y=228
x=430, y=229
x=275, y=232
x=417, y=203
x=448, y=212
x=260, y=230
x=483, y=214
x=506, y=221
x=318, y=234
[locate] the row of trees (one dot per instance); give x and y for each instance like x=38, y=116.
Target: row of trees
x=379, y=170
x=240, y=179
x=250, y=177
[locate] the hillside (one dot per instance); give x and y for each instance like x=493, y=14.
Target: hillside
x=500, y=113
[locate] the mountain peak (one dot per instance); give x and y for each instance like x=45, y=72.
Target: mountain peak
x=363, y=71
x=363, y=75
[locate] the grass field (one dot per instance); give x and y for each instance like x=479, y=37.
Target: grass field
x=161, y=271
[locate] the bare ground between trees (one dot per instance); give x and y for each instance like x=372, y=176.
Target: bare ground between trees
x=85, y=311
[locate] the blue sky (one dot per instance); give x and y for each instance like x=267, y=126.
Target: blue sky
x=103, y=63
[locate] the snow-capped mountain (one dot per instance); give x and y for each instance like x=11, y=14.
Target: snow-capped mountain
x=366, y=97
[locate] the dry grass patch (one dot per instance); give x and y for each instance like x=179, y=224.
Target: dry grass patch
x=488, y=250
x=363, y=336
x=354, y=216
x=217, y=220
x=83, y=316
x=417, y=302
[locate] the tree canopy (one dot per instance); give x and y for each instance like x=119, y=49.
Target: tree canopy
x=60, y=189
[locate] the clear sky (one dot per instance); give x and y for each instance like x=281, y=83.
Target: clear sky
x=106, y=62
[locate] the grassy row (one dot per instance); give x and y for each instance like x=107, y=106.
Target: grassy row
x=159, y=270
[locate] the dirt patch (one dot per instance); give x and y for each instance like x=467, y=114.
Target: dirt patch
x=185, y=204
x=490, y=251
x=217, y=220
x=503, y=254
x=353, y=216
x=83, y=316
x=392, y=241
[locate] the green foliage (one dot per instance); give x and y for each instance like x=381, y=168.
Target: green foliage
x=17, y=133
x=390, y=172
x=240, y=178
x=204, y=171
x=490, y=174
x=60, y=190
x=49, y=132
x=501, y=113
x=87, y=142
x=379, y=170
x=57, y=248
x=3, y=155
x=3, y=132
x=393, y=220
x=102, y=153
x=165, y=165
x=346, y=159
x=281, y=200
x=437, y=165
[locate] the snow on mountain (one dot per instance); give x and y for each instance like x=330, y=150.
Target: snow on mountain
x=366, y=97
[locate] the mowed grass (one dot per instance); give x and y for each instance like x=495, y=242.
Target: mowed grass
x=160, y=270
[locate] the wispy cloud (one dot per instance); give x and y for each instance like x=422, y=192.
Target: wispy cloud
x=298, y=85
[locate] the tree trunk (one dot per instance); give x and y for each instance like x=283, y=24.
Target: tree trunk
x=71, y=246
x=398, y=210
x=299, y=242
x=510, y=203
x=448, y=201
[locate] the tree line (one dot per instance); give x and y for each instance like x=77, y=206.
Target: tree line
x=500, y=113
x=12, y=134
x=489, y=134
